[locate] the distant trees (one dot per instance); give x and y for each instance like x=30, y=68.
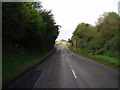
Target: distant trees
x=69, y=41
x=99, y=39
x=28, y=25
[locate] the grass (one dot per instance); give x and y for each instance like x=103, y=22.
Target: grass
x=14, y=65
x=104, y=59
x=60, y=42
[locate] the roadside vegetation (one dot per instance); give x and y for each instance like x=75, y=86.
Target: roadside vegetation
x=99, y=42
x=28, y=35
x=60, y=42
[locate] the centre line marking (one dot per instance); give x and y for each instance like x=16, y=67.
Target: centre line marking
x=66, y=58
x=68, y=62
x=74, y=74
x=71, y=68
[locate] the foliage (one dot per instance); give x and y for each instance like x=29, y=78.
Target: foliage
x=104, y=59
x=83, y=34
x=101, y=39
x=14, y=65
x=27, y=28
x=27, y=25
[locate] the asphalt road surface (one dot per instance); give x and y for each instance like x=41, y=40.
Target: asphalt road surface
x=66, y=69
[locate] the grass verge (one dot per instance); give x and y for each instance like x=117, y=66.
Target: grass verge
x=14, y=65
x=104, y=59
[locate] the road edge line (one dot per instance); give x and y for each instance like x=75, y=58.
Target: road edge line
x=39, y=79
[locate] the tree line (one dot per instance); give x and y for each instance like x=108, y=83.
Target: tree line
x=28, y=26
x=103, y=38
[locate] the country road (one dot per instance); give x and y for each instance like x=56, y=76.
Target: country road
x=66, y=69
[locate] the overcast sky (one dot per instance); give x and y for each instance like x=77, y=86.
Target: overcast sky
x=69, y=13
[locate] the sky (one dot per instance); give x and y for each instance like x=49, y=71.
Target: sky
x=69, y=13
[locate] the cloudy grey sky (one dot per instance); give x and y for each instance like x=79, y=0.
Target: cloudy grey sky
x=69, y=13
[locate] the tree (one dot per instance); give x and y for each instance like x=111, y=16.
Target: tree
x=27, y=25
x=100, y=39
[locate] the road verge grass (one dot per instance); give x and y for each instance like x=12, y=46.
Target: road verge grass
x=104, y=59
x=15, y=65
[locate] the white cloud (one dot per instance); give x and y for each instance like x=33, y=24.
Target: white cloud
x=69, y=13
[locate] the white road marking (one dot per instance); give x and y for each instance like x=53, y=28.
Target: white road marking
x=39, y=79
x=66, y=58
x=74, y=74
x=69, y=63
x=71, y=68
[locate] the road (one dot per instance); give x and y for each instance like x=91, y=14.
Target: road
x=66, y=69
